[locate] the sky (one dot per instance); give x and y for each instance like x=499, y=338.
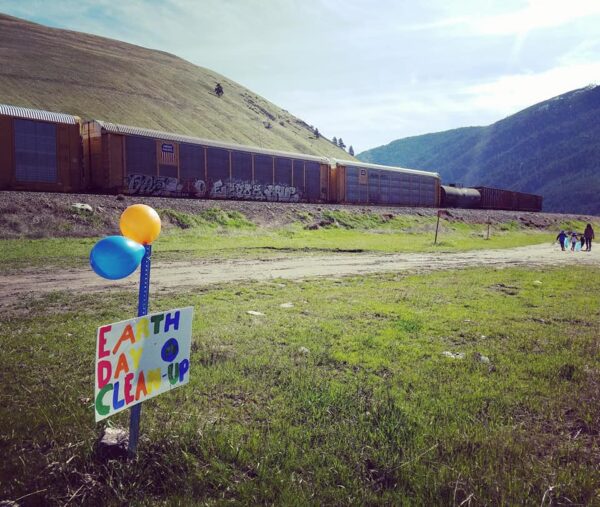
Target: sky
x=368, y=71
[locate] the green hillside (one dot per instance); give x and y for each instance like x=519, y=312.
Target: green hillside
x=551, y=149
x=95, y=77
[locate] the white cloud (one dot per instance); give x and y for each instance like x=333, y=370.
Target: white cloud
x=537, y=14
x=509, y=94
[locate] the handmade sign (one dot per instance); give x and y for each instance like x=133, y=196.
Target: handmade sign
x=138, y=359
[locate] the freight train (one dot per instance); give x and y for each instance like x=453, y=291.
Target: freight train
x=55, y=152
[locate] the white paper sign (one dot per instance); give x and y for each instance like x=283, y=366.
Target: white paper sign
x=138, y=359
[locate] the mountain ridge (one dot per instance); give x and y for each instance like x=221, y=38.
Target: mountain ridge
x=546, y=148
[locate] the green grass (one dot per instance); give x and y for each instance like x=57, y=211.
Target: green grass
x=211, y=218
x=215, y=234
x=374, y=413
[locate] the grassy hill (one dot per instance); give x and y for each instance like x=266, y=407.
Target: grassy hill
x=551, y=148
x=95, y=77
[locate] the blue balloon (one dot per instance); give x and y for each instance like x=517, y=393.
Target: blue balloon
x=116, y=257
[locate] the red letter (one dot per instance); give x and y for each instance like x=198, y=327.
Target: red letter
x=127, y=388
x=103, y=374
x=102, y=352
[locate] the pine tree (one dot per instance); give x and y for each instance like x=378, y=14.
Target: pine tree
x=341, y=144
x=334, y=140
x=351, y=150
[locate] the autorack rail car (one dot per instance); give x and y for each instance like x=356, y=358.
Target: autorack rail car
x=148, y=162
x=45, y=151
x=362, y=183
x=40, y=150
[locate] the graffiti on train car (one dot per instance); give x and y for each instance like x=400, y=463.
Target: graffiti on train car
x=143, y=184
x=254, y=191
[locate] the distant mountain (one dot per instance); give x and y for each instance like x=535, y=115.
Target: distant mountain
x=551, y=149
x=95, y=77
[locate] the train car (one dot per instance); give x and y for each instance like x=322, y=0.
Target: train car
x=148, y=162
x=496, y=198
x=356, y=182
x=40, y=151
x=55, y=152
x=452, y=196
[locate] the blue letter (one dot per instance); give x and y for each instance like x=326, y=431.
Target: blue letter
x=172, y=321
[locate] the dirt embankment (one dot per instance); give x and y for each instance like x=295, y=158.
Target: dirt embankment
x=39, y=215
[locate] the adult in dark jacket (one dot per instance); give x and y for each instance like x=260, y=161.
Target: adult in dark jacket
x=588, y=234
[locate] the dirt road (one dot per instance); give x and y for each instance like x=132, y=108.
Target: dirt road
x=187, y=275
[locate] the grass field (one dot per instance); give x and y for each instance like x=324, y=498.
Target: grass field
x=348, y=397
x=216, y=234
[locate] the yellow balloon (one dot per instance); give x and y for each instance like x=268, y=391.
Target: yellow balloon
x=140, y=223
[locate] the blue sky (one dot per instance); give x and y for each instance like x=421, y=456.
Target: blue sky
x=367, y=71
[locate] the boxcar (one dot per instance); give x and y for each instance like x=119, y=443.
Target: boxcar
x=496, y=198
x=148, y=162
x=40, y=150
x=360, y=183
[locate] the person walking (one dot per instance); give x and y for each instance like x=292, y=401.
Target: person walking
x=588, y=235
x=574, y=241
x=561, y=239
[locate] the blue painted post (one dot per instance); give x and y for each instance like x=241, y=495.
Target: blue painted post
x=144, y=295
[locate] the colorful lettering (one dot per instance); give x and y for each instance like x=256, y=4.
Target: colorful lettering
x=156, y=320
x=142, y=330
x=127, y=388
x=173, y=372
x=141, y=358
x=117, y=403
x=101, y=408
x=184, y=367
x=172, y=321
x=102, y=352
x=154, y=380
x=170, y=350
x=126, y=336
x=141, y=386
x=103, y=373
x=122, y=365
x=136, y=354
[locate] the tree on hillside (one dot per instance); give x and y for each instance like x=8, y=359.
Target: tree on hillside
x=317, y=133
x=341, y=144
x=334, y=140
x=351, y=150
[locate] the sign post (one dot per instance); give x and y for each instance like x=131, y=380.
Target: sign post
x=143, y=297
x=143, y=357
x=437, y=225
